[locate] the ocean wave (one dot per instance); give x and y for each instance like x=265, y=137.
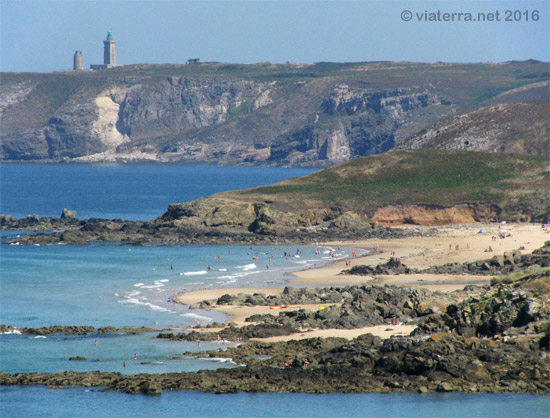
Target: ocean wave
x=196, y=316
x=11, y=331
x=139, y=284
x=151, y=306
x=153, y=286
x=239, y=275
x=222, y=269
x=163, y=281
x=193, y=273
x=218, y=359
x=251, y=266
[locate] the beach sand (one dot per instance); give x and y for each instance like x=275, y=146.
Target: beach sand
x=458, y=244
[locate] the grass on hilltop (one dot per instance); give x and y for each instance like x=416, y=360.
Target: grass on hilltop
x=425, y=176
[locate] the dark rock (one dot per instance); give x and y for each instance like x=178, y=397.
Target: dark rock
x=68, y=214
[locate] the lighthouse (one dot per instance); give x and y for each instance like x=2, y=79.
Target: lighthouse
x=109, y=51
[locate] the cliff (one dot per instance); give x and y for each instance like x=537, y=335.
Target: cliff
x=284, y=114
x=518, y=128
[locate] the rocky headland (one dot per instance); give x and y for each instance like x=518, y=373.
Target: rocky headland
x=358, y=199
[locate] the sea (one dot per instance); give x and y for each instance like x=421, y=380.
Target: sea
x=110, y=284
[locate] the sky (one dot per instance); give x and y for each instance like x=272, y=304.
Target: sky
x=42, y=36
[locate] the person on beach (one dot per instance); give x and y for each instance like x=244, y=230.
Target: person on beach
x=135, y=356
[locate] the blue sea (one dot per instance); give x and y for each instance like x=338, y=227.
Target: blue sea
x=120, y=285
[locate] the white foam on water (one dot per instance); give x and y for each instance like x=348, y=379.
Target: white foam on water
x=251, y=266
x=40, y=336
x=128, y=299
x=163, y=281
x=139, y=284
x=218, y=359
x=151, y=306
x=222, y=269
x=194, y=273
x=155, y=286
x=12, y=331
x=196, y=316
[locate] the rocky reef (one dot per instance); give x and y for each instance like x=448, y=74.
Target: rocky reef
x=494, y=340
x=196, y=222
x=73, y=330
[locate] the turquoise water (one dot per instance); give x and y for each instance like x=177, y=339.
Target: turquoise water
x=116, y=285
x=111, y=284
x=29, y=353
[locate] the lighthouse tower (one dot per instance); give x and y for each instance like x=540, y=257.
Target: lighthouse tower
x=109, y=52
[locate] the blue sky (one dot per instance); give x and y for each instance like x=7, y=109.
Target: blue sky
x=43, y=35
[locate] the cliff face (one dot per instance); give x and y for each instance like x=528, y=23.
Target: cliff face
x=287, y=114
x=180, y=104
x=368, y=122
x=519, y=128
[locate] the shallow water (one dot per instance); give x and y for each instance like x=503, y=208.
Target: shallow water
x=85, y=403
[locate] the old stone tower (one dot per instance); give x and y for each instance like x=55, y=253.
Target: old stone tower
x=109, y=52
x=78, y=61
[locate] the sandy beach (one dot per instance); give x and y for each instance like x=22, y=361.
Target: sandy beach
x=456, y=243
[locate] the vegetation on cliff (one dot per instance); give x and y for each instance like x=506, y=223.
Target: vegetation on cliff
x=351, y=200
x=290, y=114
x=487, y=186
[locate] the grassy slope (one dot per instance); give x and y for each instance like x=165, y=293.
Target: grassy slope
x=433, y=177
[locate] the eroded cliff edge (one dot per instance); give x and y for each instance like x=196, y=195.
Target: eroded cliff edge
x=283, y=114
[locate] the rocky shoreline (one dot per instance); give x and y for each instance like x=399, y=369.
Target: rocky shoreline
x=73, y=330
x=509, y=262
x=169, y=229
x=493, y=338
x=438, y=363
